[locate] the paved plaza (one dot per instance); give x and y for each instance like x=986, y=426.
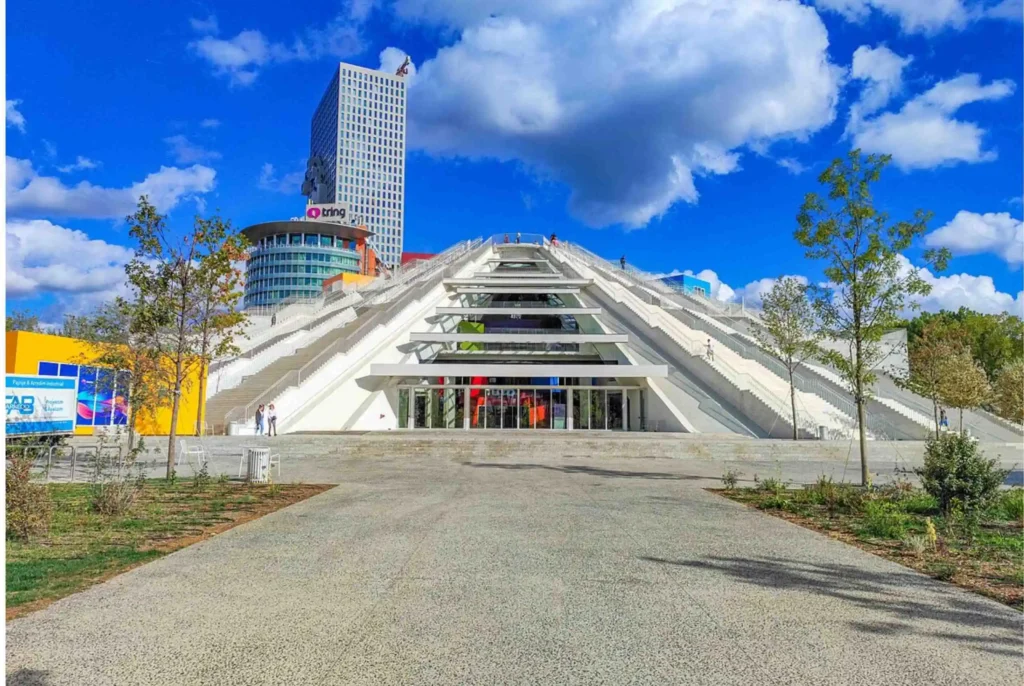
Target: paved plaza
x=438, y=566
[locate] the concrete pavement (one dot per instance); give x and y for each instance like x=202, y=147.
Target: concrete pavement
x=445, y=569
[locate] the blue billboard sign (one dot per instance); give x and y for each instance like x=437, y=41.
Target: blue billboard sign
x=39, y=404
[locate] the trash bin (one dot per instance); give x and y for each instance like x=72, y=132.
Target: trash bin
x=821, y=432
x=258, y=460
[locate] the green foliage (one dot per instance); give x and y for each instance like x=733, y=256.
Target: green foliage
x=868, y=287
x=788, y=330
x=884, y=519
x=730, y=478
x=20, y=320
x=29, y=508
x=1009, y=392
x=1009, y=506
x=956, y=471
x=919, y=503
x=771, y=485
x=915, y=543
x=202, y=478
x=835, y=497
x=995, y=340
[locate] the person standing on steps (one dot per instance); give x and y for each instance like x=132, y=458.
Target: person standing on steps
x=622, y=262
x=943, y=419
x=259, y=420
x=271, y=420
x=273, y=319
x=519, y=237
x=711, y=353
x=506, y=238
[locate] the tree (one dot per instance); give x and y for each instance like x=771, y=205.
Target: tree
x=870, y=283
x=1009, y=392
x=178, y=272
x=125, y=334
x=20, y=320
x=928, y=358
x=787, y=330
x=964, y=384
x=219, y=319
x=995, y=340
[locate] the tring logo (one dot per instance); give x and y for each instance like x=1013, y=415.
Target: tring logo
x=313, y=213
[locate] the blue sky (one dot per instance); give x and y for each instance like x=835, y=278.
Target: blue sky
x=681, y=133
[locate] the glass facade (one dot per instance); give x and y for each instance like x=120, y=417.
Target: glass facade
x=102, y=398
x=587, y=408
x=288, y=265
x=359, y=129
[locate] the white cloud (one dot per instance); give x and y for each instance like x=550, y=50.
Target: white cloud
x=43, y=257
x=241, y=58
x=924, y=133
x=29, y=194
x=290, y=183
x=187, y=152
x=969, y=233
x=882, y=71
x=625, y=103
x=205, y=26
x=209, y=123
x=925, y=16
x=79, y=164
x=14, y=117
x=49, y=148
x=793, y=166
x=752, y=294
x=965, y=290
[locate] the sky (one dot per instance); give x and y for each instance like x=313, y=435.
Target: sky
x=681, y=134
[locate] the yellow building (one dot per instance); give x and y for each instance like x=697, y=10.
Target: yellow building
x=99, y=403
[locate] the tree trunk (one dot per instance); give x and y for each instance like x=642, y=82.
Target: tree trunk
x=200, y=427
x=961, y=421
x=172, y=434
x=865, y=477
x=935, y=406
x=792, y=403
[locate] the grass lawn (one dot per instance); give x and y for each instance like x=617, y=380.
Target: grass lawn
x=892, y=522
x=84, y=547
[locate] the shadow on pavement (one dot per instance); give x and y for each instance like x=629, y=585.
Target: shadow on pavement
x=877, y=591
x=577, y=469
x=28, y=677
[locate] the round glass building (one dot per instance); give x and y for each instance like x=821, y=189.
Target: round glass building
x=291, y=259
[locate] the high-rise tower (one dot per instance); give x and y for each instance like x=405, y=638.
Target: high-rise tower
x=358, y=130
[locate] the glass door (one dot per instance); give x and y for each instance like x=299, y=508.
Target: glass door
x=419, y=408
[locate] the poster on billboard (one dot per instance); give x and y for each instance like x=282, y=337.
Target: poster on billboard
x=39, y=404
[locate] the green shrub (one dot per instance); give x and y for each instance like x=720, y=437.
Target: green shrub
x=835, y=497
x=772, y=485
x=1009, y=505
x=730, y=478
x=884, y=519
x=920, y=503
x=915, y=543
x=956, y=470
x=776, y=502
x=29, y=507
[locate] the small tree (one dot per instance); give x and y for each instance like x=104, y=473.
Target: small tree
x=181, y=271
x=956, y=472
x=1009, y=392
x=787, y=330
x=964, y=384
x=23, y=321
x=928, y=357
x=219, y=319
x=869, y=284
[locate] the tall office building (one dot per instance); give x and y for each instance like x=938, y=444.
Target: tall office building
x=358, y=130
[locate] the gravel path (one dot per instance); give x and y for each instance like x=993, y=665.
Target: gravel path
x=434, y=570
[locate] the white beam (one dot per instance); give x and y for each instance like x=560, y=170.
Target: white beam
x=470, y=337
x=553, y=279
x=513, y=275
x=503, y=289
x=553, y=311
x=604, y=371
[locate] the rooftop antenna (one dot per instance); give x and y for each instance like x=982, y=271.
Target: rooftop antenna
x=404, y=69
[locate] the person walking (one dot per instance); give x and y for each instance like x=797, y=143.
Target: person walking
x=711, y=353
x=259, y=420
x=943, y=419
x=271, y=420
x=273, y=319
x=519, y=237
x=622, y=262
